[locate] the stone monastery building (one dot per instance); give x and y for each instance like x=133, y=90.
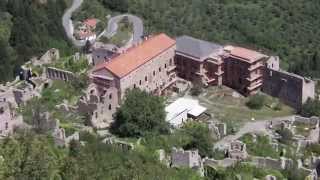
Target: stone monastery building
x=148, y=66
x=152, y=66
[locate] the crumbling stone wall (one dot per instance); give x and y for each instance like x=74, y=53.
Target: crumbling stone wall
x=47, y=58
x=291, y=89
x=266, y=162
x=59, y=74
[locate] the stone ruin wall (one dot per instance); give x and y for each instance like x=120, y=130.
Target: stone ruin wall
x=59, y=74
x=291, y=89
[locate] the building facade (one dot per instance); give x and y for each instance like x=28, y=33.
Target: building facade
x=213, y=64
x=243, y=69
x=199, y=61
x=148, y=66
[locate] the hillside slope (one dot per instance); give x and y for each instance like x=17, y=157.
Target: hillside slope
x=30, y=27
x=289, y=28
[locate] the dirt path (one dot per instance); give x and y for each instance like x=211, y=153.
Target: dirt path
x=259, y=126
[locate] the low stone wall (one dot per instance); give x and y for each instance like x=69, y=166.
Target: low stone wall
x=227, y=162
x=266, y=162
x=59, y=74
x=263, y=162
x=311, y=121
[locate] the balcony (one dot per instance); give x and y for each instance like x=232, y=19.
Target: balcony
x=254, y=67
x=254, y=77
x=171, y=68
x=101, y=77
x=165, y=86
x=255, y=86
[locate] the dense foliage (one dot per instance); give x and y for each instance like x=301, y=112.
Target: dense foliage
x=140, y=114
x=256, y=101
x=242, y=171
x=29, y=28
x=260, y=147
x=30, y=156
x=311, y=108
x=285, y=136
x=193, y=135
x=200, y=138
x=289, y=29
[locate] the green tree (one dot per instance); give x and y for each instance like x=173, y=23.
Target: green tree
x=256, y=101
x=311, y=108
x=286, y=136
x=200, y=138
x=140, y=114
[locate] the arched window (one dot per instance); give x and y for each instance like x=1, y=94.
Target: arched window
x=110, y=107
x=146, y=78
x=110, y=96
x=140, y=82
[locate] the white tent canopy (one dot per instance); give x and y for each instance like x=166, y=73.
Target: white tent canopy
x=178, y=111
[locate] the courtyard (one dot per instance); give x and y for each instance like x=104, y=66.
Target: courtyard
x=226, y=105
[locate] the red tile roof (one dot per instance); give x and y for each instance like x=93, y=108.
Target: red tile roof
x=90, y=22
x=245, y=54
x=127, y=62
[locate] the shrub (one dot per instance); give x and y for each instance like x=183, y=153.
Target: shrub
x=196, y=89
x=277, y=106
x=311, y=108
x=286, y=136
x=256, y=101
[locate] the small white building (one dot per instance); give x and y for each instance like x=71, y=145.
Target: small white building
x=179, y=111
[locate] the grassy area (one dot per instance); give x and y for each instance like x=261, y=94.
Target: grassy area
x=60, y=91
x=69, y=64
x=124, y=33
x=302, y=128
x=234, y=111
x=261, y=147
x=243, y=171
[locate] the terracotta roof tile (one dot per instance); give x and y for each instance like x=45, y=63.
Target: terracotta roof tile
x=246, y=54
x=90, y=22
x=139, y=55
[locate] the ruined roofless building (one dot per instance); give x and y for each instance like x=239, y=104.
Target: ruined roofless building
x=148, y=66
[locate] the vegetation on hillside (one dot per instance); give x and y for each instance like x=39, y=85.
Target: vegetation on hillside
x=242, y=171
x=29, y=28
x=30, y=156
x=285, y=28
x=311, y=108
x=140, y=114
x=260, y=147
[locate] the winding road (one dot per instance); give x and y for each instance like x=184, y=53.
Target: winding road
x=250, y=127
x=110, y=30
x=113, y=26
x=68, y=25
